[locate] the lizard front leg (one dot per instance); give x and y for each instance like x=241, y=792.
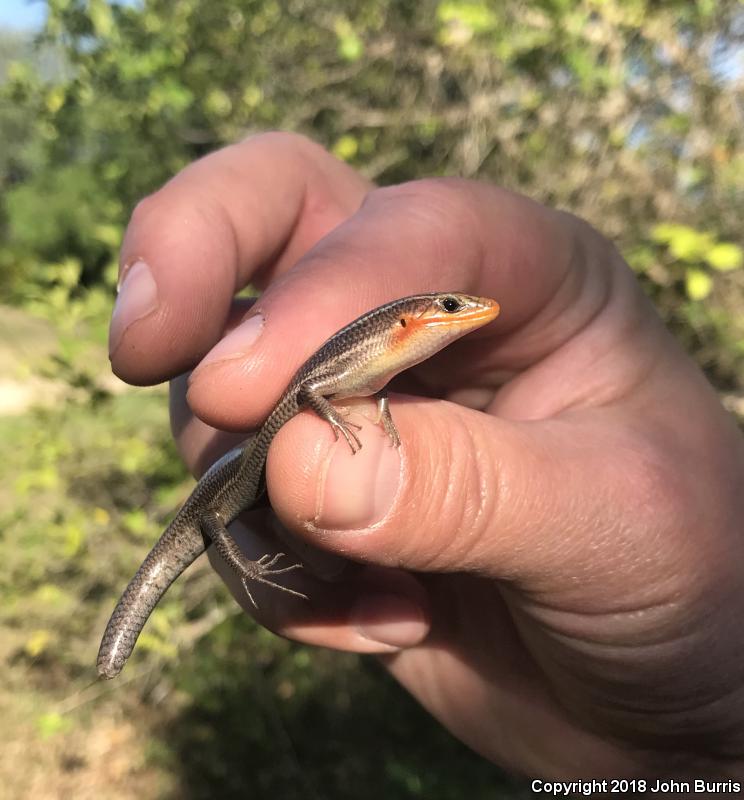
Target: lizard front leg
x=312, y=398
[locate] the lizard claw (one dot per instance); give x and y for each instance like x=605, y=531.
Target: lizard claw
x=345, y=428
x=262, y=571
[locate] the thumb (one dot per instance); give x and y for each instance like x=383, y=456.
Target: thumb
x=465, y=491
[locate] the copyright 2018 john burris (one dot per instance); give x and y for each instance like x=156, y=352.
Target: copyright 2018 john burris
x=637, y=786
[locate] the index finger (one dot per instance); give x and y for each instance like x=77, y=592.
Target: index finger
x=239, y=215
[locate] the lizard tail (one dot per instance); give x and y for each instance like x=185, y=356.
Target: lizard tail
x=179, y=546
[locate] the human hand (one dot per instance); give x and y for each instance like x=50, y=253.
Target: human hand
x=552, y=556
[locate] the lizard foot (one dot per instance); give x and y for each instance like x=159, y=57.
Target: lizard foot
x=262, y=571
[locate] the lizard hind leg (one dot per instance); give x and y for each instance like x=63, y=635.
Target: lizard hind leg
x=385, y=418
x=263, y=570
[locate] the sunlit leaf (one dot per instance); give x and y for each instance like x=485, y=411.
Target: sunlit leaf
x=100, y=17
x=350, y=46
x=136, y=521
x=108, y=234
x=101, y=516
x=664, y=232
x=51, y=723
x=37, y=642
x=218, y=103
x=74, y=538
x=698, y=284
x=346, y=147
x=725, y=256
x=688, y=244
x=478, y=17
x=49, y=595
x=55, y=99
x=253, y=96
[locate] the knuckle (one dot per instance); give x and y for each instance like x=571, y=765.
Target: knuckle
x=439, y=213
x=143, y=209
x=462, y=488
x=284, y=144
x=281, y=138
x=439, y=197
x=659, y=488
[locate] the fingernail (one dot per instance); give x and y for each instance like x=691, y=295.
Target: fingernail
x=236, y=344
x=137, y=298
x=357, y=490
x=389, y=619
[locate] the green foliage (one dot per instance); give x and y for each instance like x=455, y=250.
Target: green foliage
x=620, y=111
x=59, y=212
x=686, y=244
x=313, y=728
x=696, y=281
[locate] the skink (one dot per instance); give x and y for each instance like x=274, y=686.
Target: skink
x=357, y=361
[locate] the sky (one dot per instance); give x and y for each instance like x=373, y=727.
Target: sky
x=22, y=14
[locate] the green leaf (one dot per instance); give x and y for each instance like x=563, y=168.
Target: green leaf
x=725, y=256
x=478, y=17
x=641, y=258
x=37, y=642
x=706, y=8
x=54, y=99
x=346, y=147
x=110, y=235
x=49, y=595
x=583, y=65
x=136, y=521
x=252, y=96
x=664, y=232
x=218, y=103
x=74, y=539
x=689, y=245
x=684, y=243
x=18, y=72
x=350, y=46
x=698, y=284
x=101, y=17
x=155, y=644
x=51, y=723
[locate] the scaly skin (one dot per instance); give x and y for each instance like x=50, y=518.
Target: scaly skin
x=357, y=361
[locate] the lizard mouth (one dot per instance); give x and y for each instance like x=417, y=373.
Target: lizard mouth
x=490, y=310
x=482, y=311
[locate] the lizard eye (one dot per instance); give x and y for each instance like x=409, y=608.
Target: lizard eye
x=450, y=304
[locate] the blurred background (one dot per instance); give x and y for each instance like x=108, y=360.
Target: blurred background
x=627, y=112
